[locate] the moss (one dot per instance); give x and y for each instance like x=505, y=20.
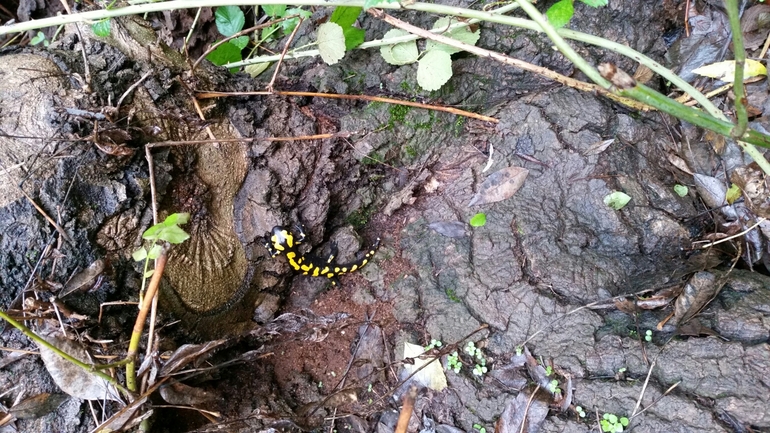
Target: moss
x=360, y=217
x=397, y=114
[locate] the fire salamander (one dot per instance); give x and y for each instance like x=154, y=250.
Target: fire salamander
x=283, y=240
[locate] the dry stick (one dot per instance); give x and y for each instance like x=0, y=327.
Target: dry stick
x=665, y=393
x=526, y=410
x=759, y=221
x=131, y=89
x=283, y=54
x=406, y=410
x=250, y=139
x=136, y=335
x=644, y=387
x=452, y=110
x=48, y=218
x=481, y=52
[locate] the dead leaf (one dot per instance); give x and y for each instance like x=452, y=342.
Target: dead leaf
x=432, y=376
x=679, y=163
x=518, y=411
x=187, y=354
x=500, y=185
x=185, y=395
x=753, y=183
x=37, y=406
x=598, y=147
x=450, y=229
x=698, y=292
x=72, y=379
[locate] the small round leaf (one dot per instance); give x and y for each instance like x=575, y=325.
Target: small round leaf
x=434, y=70
x=478, y=220
x=331, y=43
x=617, y=200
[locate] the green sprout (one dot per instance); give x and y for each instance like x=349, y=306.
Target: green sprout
x=612, y=424
x=648, y=335
x=433, y=343
x=581, y=413
x=479, y=428
x=453, y=362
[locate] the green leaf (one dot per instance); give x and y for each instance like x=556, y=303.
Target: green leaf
x=331, y=43
x=434, y=70
x=680, y=190
x=353, y=37
x=560, y=13
x=224, y=54
x=274, y=11
x=734, y=193
x=289, y=25
x=624, y=421
x=595, y=3
x=617, y=200
x=345, y=16
x=149, y=273
x=176, y=219
x=462, y=34
x=101, y=28
x=256, y=69
x=174, y=235
x=154, y=252
x=479, y=220
x=152, y=232
x=39, y=37
x=399, y=54
x=139, y=254
x=230, y=20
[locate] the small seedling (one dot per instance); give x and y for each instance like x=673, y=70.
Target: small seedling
x=479, y=220
x=519, y=350
x=453, y=362
x=612, y=424
x=433, y=344
x=479, y=428
x=481, y=361
x=648, y=335
x=553, y=387
x=548, y=370
x=581, y=413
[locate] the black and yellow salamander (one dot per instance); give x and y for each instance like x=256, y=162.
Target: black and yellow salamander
x=286, y=241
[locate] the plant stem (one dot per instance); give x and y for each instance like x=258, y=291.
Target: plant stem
x=90, y=368
x=136, y=334
x=494, y=17
x=740, y=62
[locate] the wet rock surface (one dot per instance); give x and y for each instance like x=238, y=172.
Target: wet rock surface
x=543, y=272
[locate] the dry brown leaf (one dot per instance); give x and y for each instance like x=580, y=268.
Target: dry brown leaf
x=500, y=185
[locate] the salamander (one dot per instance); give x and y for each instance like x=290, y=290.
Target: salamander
x=287, y=241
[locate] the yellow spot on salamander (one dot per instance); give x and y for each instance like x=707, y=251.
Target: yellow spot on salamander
x=307, y=267
x=315, y=272
x=353, y=268
x=325, y=270
x=336, y=270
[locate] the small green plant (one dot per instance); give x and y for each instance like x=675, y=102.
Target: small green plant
x=479, y=428
x=166, y=231
x=519, y=350
x=581, y=413
x=562, y=11
x=612, y=424
x=478, y=220
x=39, y=38
x=433, y=343
x=617, y=200
x=453, y=362
x=680, y=190
x=553, y=387
x=481, y=362
x=229, y=20
x=622, y=370
x=648, y=335
x=548, y=370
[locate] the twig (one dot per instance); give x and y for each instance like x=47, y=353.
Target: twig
x=759, y=221
x=482, y=52
x=526, y=410
x=283, y=54
x=131, y=89
x=406, y=410
x=136, y=335
x=239, y=34
x=452, y=110
x=644, y=387
x=250, y=139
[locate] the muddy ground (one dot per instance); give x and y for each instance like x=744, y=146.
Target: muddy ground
x=553, y=270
